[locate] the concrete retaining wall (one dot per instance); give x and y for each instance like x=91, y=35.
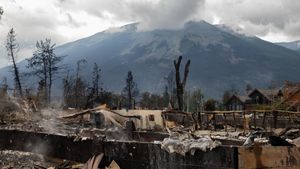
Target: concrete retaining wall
x=131, y=155
x=138, y=155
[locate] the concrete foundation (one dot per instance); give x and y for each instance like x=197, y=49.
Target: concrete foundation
x=137, y=155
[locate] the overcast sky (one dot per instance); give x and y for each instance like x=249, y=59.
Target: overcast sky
x=67, y=20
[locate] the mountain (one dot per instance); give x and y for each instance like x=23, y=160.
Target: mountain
x=295, y=45
x=220, y=59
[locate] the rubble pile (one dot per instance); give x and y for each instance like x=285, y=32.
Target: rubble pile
x=184, y=143
x=24, y=160
x=94, y=162
x=101, y=124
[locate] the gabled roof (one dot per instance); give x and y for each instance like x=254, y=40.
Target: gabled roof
x=243, y=99
x=268, y=93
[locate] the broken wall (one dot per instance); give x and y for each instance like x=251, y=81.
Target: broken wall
x=137, y=155
x=146, y=121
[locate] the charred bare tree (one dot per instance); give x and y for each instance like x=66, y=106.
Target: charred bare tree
x=41, y=91
x=96, y=80
x=180, y=85
x=53, y=65
x=95, y=91
x=4, y=88
x=12, y=47
x=79, y=88
x=166, y=97
x=130, y=91
x=38, y=63
x=170, y=78
x=45, y=65
x=75, y=92
x=67, y=93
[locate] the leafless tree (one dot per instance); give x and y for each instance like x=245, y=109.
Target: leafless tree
x=180, y=85
x=12, y=48
x=130, y=91
x=80, y=87
x=96, y=80
x=3, y=88
x=170, y=87
x=45, y=65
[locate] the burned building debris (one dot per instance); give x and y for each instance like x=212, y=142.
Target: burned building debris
x=102, y=137
x=152, y=139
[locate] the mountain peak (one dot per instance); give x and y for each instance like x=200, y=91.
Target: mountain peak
x=132, y=27
x=219, y=59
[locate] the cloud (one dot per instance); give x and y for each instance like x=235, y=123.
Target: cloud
x=150, y=14
x=257, y=17
x=68, y=20
x=165, y=14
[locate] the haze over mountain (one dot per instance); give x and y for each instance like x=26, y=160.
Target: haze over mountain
x=295, y=45
x=220, y=58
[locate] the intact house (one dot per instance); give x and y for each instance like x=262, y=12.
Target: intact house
x=265, y=96
x=237, y=102
x=255, y=97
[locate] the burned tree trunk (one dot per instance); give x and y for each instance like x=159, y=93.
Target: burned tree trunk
x=180, y=85
x=44, y=65
x=130, y=91
x=12, y=47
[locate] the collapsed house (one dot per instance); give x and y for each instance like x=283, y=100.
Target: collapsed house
x=155, y=139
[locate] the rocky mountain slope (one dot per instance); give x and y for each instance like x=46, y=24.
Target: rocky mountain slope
x=220, y=59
